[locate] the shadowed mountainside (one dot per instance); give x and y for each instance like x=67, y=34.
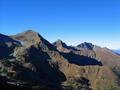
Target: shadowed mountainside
x=104, y=55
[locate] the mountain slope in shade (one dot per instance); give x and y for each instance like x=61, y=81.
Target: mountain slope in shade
x=76, y=55
x=104, y=55
x=36, y=62
x=7, y=45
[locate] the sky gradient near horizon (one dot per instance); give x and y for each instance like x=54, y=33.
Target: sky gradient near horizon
x=73, y=21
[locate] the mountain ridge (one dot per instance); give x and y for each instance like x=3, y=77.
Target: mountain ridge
x=38, y=62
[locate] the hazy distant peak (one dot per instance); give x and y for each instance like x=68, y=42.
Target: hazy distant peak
x=117, y=51
x=86, y=45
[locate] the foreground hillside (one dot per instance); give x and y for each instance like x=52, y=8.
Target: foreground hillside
x=29, y=61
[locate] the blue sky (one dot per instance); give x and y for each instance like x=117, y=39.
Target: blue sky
x=73, y=21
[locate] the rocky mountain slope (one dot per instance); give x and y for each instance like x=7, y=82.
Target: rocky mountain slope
x=28, y=60
x=104, y=55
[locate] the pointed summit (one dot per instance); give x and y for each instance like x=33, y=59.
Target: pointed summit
x=31, y=37
x=60, y=43
x=61, y=46
x=28, y=36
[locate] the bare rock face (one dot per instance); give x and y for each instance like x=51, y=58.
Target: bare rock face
x=29, y=59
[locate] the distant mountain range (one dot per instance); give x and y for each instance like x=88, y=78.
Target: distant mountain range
x=28, y=61
x=117, y=51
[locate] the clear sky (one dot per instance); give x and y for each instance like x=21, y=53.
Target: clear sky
x=73, y=21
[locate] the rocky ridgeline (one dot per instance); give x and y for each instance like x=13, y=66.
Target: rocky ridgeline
x=27, y=59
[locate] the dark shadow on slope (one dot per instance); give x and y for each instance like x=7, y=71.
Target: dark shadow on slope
x=80, y=60
x=46, y=74
x=4, y=39
x=84, y=81
x=4, y=85
x=4, y=51
x=7, y=46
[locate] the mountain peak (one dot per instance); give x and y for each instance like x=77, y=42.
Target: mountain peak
x=30, y=31
x=86, y=45
x=31, y=37
x=37, y=62
x=60, y=43
x=61, y=46
x=28, y=36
